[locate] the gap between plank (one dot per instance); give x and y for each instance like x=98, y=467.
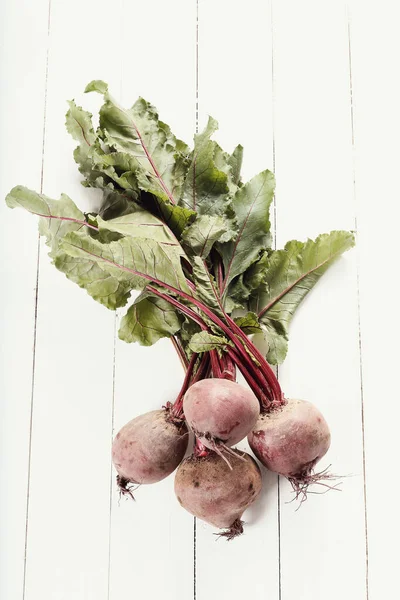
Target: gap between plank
x=111, y=463
x=28, y=487
x=275, y=246
x=114, y=362
x=360, y=348
x=197, y=131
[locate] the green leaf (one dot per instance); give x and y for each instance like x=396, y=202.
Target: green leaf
x=57, y=217
x=251, y=204
x=79, y=125
x=240, y=289
x=105, y=287
x=176, y=217
x=255, y=275
x=119, y=167
x=206, y=288
x=156, y=157
x=130, y=263
x=237, y=294
x=248, y=323
x=209, y=179
x=117, y=204
x=118, y=159
x=97, y=85
x=149, y=319
x=188, y=329
x=141, y=224
x=231, y=304
x=204, y=341
x=291, y=274
x=235, y=162
x=169, y=154
x=200, y=237
x=276, y=337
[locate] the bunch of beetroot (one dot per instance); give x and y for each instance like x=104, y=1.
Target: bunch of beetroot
x=180, y=226
x=218, y=482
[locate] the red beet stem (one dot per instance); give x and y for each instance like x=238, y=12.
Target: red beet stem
x=200, y=450
x=177, y=408
x=250, y=357
x=180, y=352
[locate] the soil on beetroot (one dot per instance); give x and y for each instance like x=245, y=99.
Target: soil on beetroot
x=217, y=494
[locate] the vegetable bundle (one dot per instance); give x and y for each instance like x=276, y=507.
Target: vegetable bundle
x=180, y=226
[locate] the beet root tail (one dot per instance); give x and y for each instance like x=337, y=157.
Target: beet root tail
x=126, y=487
x=301, y=483
x=234, y=530
x=222, y=449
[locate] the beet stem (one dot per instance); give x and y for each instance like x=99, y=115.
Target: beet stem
x=215, y=364
x=236, y=335
x=254, y=386
x=200, y=449
x=180, y=352
x=177, y=408
x=202, y=371
x=228, y=367
x=267, y=370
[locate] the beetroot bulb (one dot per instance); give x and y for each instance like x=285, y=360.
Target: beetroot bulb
x=290, y=440
x=207, y=488
x=220, y=412
x=149, y=448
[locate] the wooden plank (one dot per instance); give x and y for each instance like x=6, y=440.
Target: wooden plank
x=22, y=72
x=235, y=87
x=68, y=534
x=323, y=544
x=154, y=535
x=375, y=48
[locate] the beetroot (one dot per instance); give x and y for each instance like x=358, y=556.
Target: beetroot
x=290, y=440
x=220, y=412
x=208, y=489
x=149, y=448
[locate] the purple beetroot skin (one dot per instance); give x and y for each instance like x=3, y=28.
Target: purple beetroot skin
x=149, y=448
x=220, y=412
x=290, y=440
x=212, y=491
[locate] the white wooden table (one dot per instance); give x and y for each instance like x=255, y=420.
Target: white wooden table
x=312, y=90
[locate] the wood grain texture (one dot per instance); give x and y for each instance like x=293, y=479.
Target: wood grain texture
x=68, y=533
x=21, y=126
x=375, y=47
x=315, y=194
